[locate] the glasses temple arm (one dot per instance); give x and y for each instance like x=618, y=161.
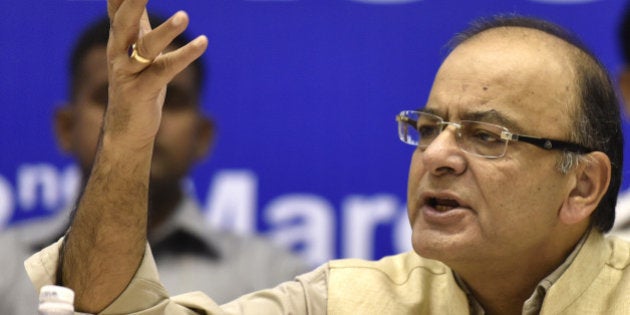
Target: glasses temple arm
x=549, y=144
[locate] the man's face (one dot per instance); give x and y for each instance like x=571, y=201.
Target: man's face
x=183, y=137
x=465, y=208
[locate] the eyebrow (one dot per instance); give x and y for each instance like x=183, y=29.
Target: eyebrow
x=494, y=117
x=431, y=111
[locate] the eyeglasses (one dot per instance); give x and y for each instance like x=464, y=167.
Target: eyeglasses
x=475, y=137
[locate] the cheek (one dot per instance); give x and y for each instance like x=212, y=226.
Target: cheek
x=507, y=191
x=87, y=129
x=178, y=132
x=507, y=185
x=416, y=169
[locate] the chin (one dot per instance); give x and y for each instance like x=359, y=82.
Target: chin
x=440, y=246
x=427, y=250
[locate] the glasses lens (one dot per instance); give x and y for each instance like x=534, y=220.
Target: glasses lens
x=407, y=132
x=482, y=139
x=428, y=128
x=417, y=128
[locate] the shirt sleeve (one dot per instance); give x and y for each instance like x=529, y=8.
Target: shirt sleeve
x=145, y=295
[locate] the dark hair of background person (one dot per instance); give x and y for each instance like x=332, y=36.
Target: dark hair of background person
x=624, y=34
x=597, y=121
x=97, y=34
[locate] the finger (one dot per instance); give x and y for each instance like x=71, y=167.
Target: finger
x=125, y=26
x=168, y=65
x=145, y=24
x=153, y=43
x=112, y=7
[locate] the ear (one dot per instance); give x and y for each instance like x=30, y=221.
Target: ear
x=592, y=180
x=624, y=87
x=205, y=136
x=63, y=125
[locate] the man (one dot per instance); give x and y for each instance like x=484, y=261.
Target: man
x=189, y=254
x=514, y=179
x=622, y=224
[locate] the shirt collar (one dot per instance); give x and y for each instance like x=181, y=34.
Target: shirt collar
x=184, y=232
x=534, y=303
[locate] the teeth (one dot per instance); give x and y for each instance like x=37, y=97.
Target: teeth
x=448, y=202
x=442, y=205
x=442, y=208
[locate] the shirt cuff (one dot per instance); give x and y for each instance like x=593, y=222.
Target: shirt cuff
x=143, y=292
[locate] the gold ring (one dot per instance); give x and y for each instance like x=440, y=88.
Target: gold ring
x=136, y=56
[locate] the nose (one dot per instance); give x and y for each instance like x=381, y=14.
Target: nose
x=443, y=156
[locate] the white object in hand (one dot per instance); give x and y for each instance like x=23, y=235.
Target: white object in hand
x=56, y=300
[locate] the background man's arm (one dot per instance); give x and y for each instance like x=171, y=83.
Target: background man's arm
x=107, y=238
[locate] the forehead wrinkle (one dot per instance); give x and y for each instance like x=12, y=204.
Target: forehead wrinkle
x=492, y=116
x=432, y=112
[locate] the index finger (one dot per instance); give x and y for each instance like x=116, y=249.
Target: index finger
x=127, y=24
x=112, y=7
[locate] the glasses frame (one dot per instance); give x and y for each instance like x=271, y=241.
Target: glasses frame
x=544, y=143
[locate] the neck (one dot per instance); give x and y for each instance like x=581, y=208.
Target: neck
x=502, y=292
x=503, y=285
x=163, y=199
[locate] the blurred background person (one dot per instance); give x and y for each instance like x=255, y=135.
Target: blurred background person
x=622, y=220
x=189, y=254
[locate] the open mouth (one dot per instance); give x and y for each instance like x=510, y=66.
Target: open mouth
x=442, y=205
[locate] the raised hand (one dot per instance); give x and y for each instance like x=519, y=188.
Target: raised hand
x=137, y=85
x=107, y=239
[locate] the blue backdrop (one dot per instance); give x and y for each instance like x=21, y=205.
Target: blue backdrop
x=304, y=93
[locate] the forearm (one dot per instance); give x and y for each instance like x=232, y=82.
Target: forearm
x=107, y=238
x=108, y=235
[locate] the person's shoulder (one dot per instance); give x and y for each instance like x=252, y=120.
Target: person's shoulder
x=622, y=216
x=16, y=239
x=397, y=267
x=250, y=244
x=620, y=253
x=10, y=243
x=40, y=232
x=262, y=250
x=18, y=242
x=403, y=260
